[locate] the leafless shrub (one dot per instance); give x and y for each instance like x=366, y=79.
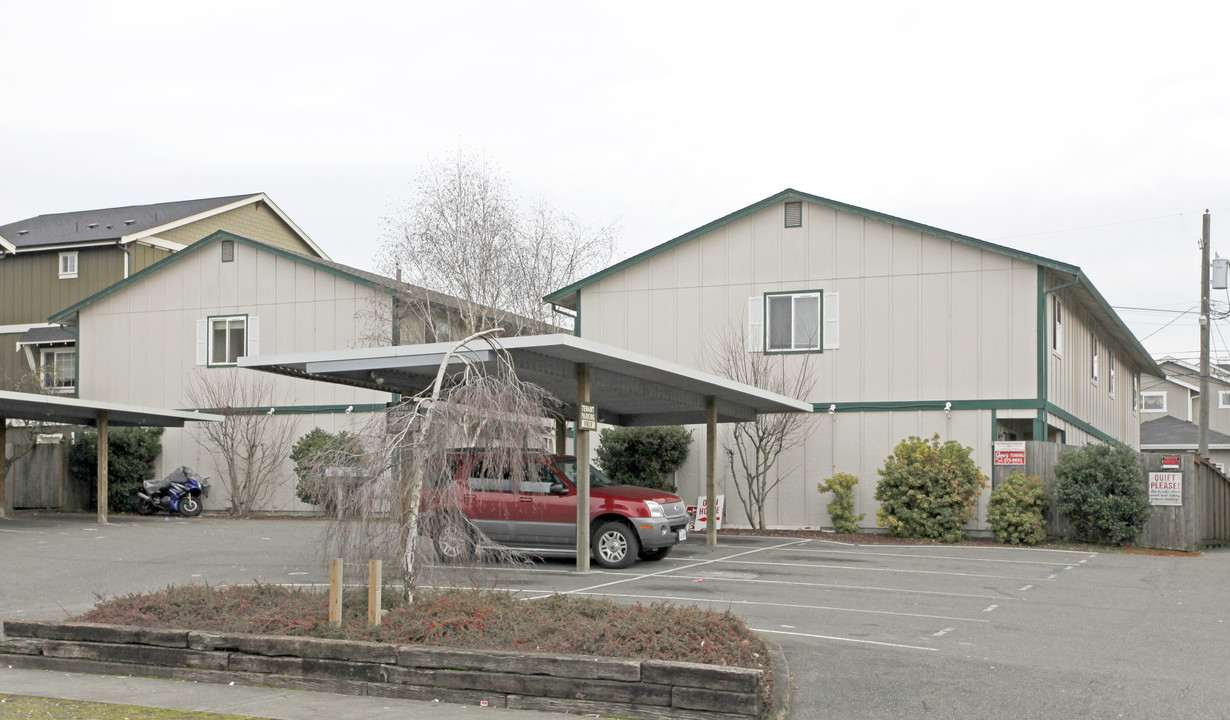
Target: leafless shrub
x=753, y=448
x=249, y=448
x=400, y=488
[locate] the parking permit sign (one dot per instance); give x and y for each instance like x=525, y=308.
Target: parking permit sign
x=1165, y=488
x=1010, y=453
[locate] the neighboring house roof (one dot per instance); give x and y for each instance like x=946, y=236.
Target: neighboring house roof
x=1171, y=432
x=1217, y=373
x=127, y=224
x=1081, y=285
x=363, y=277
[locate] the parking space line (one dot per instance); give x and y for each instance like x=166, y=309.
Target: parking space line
x=873, y=588
x=943, y=632
x=724, y=601
x=866, y=569
x=953, y=548
x=851, y=640
x=927, y=557
x=702, y=563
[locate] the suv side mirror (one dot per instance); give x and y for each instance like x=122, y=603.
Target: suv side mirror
x=558, y=489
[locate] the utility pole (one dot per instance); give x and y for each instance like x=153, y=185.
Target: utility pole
x=1205, y=262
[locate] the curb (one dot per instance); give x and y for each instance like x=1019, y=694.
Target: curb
x=783, y=683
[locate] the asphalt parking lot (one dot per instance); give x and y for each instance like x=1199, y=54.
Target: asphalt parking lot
x=870, y=631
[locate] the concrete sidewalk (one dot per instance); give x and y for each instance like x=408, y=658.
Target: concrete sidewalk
x=239, y=700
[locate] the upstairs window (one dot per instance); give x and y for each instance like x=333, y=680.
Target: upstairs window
x=792, y=322
x=1057, y=326
x=1135, y=392
x=222, y=340
x=1110, y=373
x=1093, y=364
x=1223, y=399
x=68, y=265
x=1153, y=402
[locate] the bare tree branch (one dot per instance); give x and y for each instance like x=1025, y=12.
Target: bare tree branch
x=753, y=448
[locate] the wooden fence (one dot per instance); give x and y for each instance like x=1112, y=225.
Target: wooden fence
x=1202, y=519
x=39, y=479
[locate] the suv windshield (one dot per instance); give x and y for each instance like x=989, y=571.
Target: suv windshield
x=597, y=478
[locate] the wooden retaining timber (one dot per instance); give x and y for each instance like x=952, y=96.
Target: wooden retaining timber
x=621, y=687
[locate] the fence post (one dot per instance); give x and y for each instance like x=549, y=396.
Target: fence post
x=374, y=587
x=335, y=592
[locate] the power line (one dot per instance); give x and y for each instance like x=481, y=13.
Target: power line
x=1091, y=227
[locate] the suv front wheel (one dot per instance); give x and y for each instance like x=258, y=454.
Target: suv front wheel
x=615, y=545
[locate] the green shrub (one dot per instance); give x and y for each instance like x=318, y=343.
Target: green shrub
x=1101, y=489
x=928, y=489
x=1016, y=510
x=131, y=453
x=841, y=509
x=318, y=449
x=644, y=456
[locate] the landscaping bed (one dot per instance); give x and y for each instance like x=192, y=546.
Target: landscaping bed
x=559, y=653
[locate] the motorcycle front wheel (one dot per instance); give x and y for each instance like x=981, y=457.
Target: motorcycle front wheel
x=189, y=506
x=144, y=507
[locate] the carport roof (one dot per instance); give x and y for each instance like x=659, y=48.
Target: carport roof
x=74, y=411
x=627, y=388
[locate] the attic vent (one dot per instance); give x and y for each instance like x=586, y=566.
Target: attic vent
x=228, y=251
x=794, y=214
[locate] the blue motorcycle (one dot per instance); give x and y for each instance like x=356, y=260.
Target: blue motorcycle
x=180, y=492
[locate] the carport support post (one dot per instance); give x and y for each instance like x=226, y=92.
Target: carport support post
x=103, y=439
x=582, y=445
x=711, y=470
x=561, y=437
x=4, y=467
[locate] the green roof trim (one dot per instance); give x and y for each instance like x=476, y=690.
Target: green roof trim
x=791, y=194
x=208, y=241
x=569, y=297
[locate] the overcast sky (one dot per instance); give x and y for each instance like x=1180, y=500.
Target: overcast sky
x=1091, y=133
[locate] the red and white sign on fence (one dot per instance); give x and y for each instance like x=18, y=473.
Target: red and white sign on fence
x=1010, y=453
x=700, y=513
x=1165, y=488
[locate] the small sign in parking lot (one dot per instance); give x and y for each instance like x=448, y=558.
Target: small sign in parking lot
x=589, y=417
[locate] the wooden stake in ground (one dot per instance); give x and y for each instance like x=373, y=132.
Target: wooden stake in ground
x=374, y=587
x=335, y=592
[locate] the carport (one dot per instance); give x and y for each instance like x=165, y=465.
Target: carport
x=73, y=411
x=620, y=387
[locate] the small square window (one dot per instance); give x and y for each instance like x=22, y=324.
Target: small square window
x=228, y=251
x=793, y=322
x=68, y=265
x=1223, y=398
x=794, y=214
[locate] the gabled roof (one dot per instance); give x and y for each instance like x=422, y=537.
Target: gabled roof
x=127, y=224
x=362, y=277
x=1171, y=432
x=1189, y=373
x=1080, y=284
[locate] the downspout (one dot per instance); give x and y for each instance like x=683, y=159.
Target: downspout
x=1040, y=421
x=127, y=257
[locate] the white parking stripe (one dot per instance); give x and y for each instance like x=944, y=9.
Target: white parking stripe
x=943, y=632
x=927, y=557
x=841, y=639
x=867, y=569
x=871, y=588
x=724, y=601
x=686, y=567
x=954, y=548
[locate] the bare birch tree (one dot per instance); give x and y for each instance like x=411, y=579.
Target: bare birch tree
x=753, y=449
x=383, y=512
x=250, y=447
x=463, y=235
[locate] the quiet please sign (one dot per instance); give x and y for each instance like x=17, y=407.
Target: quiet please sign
x=1165, y=488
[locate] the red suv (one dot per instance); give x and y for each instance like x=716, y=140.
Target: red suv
x=538, y=514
